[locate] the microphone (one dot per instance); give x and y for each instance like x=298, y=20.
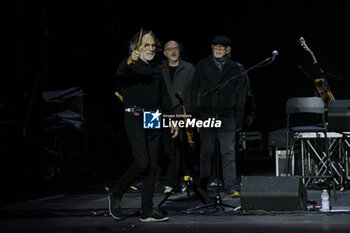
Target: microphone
x=268, y=60
x=274, y=54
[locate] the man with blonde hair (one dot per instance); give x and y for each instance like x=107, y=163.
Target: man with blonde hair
x=143, y=91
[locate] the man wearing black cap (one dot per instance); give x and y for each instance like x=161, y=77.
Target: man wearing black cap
x=229, y=107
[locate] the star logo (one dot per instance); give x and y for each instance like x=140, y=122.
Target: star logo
x=151, y=119
x=156, y=115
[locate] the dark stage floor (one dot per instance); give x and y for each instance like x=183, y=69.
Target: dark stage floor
x=85, y=210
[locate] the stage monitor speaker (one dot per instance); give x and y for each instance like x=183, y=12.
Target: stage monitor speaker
x=273, y=193
x=339, y=115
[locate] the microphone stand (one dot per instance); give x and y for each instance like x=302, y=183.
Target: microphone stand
x=263, y=63
x=218, y=201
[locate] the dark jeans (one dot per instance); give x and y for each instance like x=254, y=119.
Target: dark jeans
x=145, y=145
x=226, y=142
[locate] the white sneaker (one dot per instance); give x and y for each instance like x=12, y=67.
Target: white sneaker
x=167, y=189
x=155, y=216
x=183, y=187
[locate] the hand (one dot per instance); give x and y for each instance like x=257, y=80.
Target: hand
x=249, y=120
x=174, y=131
x=135, y=55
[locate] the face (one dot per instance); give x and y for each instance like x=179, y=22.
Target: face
x=172, y=51
x=220, y=51
x=148, y=48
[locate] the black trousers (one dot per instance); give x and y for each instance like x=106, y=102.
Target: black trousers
x=145, y=146
x=226, y=138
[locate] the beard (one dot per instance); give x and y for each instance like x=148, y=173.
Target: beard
x=218, y=55
x=173, y=58
x=147, y=56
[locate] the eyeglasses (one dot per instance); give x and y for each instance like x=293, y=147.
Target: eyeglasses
x=172, y=49
x=218, y=47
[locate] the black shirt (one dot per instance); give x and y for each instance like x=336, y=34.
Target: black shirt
x=172, y=70
x=143, y=86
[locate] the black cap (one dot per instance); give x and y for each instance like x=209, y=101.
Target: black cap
x=222, y=40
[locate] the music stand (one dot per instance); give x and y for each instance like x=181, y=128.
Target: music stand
x=66, y=105
x=63, y=112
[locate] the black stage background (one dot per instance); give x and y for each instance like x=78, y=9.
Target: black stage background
x=56, y=45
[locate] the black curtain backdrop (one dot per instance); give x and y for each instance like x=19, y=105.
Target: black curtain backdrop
x=80, y=44
x=64, y=44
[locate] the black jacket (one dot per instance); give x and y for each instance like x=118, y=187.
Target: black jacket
x=231, y=98
x=143, y=86
x=182, y=82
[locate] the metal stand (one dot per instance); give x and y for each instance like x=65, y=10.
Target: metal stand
x=190, y=185
x=218, y=204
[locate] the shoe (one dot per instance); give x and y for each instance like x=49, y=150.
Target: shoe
x=154, y=216
x=235, y=194
x=226, y=196
x=114, y=207
x=183, y=187
x=167, y=189
x=215, y=183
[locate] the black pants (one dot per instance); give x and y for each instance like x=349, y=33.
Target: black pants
x=145, y=145
x=226, y=138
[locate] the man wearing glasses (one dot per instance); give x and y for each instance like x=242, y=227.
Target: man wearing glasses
x=228, y=106
x=178, y=76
